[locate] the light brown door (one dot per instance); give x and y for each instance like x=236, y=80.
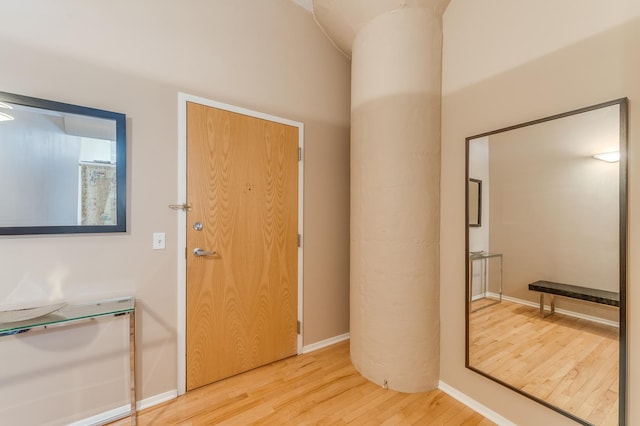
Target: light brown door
x=242, y=302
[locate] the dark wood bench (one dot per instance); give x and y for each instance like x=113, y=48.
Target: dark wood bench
x=572, y=291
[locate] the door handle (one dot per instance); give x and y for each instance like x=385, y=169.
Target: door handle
x=200, y=252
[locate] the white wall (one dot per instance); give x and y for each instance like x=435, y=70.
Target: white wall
x=509, y=62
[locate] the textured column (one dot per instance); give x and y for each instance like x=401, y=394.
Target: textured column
x=395, y=178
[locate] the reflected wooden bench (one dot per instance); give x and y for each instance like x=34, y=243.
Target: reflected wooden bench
x=602, y=297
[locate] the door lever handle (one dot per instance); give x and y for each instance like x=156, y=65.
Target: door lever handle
x=200, y=252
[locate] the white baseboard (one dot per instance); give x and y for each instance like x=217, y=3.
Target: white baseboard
x=324, y=343
x=103, y=418
x=560, y=311
x=474, y=405
x=479, y=296
x=157, y=399
x=123, y=411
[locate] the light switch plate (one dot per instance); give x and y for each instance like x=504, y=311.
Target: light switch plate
x=158, y=240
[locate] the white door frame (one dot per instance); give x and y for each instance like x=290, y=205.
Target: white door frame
x=183, y=98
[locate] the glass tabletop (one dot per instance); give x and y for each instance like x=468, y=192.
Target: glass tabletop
x=70, y=313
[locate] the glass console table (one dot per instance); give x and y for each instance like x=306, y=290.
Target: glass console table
x=70, y=314
x=483, y=258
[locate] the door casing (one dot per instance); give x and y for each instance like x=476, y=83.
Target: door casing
x=183, y=98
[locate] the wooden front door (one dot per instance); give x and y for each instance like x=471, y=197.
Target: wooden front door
x=242, y=301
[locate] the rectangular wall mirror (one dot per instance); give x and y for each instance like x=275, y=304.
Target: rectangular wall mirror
x=62, y=168
x=546, y=271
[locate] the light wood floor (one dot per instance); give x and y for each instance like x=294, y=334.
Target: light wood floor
x=571, y=363
x=319, y=388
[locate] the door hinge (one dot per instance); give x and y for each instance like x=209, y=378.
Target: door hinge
x=299, y=153
x=185, y=252
x=299, y=327
x=299, y=240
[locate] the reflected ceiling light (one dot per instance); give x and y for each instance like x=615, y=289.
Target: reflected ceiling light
x=5, y=117
x=610, y=157
x=7, y=106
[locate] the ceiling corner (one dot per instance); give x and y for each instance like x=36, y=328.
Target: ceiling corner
x=305, y=4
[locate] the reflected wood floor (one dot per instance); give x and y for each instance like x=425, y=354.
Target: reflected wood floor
x=318, y=388
x=570, y=362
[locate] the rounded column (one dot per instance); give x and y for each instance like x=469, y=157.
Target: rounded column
x=396, y=51
x=395, y=207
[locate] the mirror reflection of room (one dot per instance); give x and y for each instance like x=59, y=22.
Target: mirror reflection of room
x=551, y=218
x=65, y=165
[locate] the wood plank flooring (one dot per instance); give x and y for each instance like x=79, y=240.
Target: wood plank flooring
x=572, y=363
x=319, y=388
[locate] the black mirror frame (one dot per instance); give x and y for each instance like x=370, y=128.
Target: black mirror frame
x=623, y=185
x=121, y=186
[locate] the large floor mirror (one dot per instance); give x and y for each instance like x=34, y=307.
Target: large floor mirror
x=546, y=265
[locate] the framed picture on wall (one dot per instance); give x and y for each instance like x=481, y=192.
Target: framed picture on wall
x=475, y=202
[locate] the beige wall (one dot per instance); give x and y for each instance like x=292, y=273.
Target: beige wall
x=554, y=208
x=134, y=57
x=502, y=67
